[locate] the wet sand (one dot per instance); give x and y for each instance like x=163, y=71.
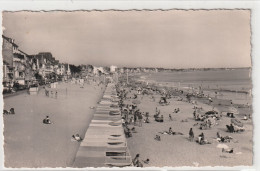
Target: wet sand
x=177, y=150
x=30, y=143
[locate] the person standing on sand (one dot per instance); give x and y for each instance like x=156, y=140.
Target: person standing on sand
x=170, y=117
x=132, y=120
x=135, y=118
x=191, y=135
x=140, y=118
x=209, y=123
x=201, y=138
x=136, y=161
x=194, y=114
x=170, y=131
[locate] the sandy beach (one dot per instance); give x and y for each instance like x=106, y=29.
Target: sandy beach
x=30, y=143
x=177, y=150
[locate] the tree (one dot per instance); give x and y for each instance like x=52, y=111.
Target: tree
x=75, y=69
x=90, y=68
x=107, y=69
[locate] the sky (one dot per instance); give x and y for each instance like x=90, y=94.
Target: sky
x=169, y=39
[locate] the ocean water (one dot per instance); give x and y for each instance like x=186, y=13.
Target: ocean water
x=237, y=81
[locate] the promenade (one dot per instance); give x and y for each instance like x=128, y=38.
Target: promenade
x=30, y=143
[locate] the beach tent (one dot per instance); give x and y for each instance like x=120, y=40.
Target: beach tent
x=233, y=110
x=236, y=122
x=104, y=143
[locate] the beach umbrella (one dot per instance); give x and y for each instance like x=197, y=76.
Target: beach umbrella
x=236, y=122
x=136, y=101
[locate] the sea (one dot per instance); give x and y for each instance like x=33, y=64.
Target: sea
x=231, y=84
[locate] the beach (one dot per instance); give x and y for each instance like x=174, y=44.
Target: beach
x=177, y=150
x=30, y=143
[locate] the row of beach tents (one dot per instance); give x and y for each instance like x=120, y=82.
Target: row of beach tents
x=105, y=144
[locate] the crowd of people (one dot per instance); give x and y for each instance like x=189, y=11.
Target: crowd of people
x=133, y=116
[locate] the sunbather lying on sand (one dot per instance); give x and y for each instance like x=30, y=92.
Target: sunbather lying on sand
x=170, y=132
x=227, y=150
x=77, y=137
x=176, y=110
x=146, y=161
x=223, y=139
x=11, y=111
x=5, y=112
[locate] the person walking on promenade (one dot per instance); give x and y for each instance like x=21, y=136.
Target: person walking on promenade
x=47, y=120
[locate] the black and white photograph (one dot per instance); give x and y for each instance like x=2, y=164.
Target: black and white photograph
x=133, y=88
